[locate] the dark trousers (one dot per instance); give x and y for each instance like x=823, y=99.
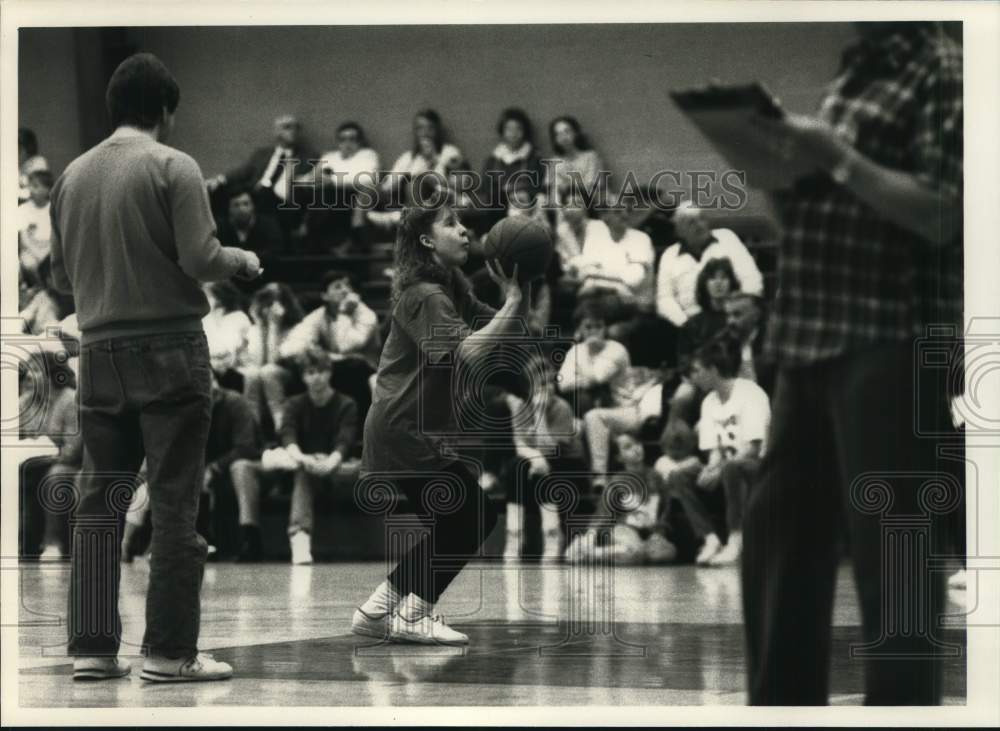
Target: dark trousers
x=142, y=397
x=457, y=518
x=842, y=438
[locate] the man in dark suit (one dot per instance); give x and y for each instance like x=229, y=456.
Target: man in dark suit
x=269, y=172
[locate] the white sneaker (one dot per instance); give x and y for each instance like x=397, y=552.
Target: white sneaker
x=51, y=553
x=426, y=630
x=709, y=548
x=301, y=548
x=99, y=668
x=181, y=670
x=958, y=580
x=728, y=556
x=370, y=625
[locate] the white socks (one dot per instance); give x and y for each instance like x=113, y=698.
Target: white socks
x=383, y=600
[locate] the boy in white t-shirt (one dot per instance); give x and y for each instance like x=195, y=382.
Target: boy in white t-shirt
x=732, y=431
x=34, y=227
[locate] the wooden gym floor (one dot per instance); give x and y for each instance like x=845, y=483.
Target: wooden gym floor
x=676, y=639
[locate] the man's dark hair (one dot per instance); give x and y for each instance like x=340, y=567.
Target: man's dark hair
x=235, y=191
x=26, y=139
x=722, y=353
x=314, y=358
x=336, y=274
x=44, y=177
x=139, y=90
x=362, y=138
x=590, y=308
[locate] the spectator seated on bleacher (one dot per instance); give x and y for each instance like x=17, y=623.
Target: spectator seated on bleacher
x=576, y=162
x=338, y=223
x=28, y=161
x=715, y=282
x=595, y=370
x=274, y=312
x=429, y=152
x=732, y=429
x=680, y=264
x=741, y=318
x=48, y=409
x=618, y=259
x=745, y=320
x=46, y=306
x=268, y=174
x=546, y=438
x=611, y=395
x=639, y=534
x=227, y=327
x=574, y=226
x=347, y=330
x=242, y=227
x=34, y=227
x=513, y=165
x=318, y=434
x=620, y=266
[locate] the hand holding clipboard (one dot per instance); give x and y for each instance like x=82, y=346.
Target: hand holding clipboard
x=747, y=125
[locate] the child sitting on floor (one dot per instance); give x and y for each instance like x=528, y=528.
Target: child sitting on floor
x=639, y=534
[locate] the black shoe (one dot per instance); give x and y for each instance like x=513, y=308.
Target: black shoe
x=250, y=546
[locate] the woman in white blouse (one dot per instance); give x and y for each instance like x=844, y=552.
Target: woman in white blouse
x=430, y=152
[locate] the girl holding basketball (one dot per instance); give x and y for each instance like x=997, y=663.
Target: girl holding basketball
x=432, y=332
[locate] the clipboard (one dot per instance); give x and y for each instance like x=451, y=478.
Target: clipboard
x=723, y=114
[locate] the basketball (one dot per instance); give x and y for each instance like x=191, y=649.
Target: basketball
x=522, y=241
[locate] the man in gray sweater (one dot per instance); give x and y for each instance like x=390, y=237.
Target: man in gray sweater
x=132, y=236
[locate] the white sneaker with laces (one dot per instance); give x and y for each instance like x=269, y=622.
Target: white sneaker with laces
x=99, y=668
x=180, y=670
x=370, y=625
x=301, y=548
x=426, y=630
x=711, y=547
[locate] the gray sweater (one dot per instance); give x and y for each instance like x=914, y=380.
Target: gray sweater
x=132, y=235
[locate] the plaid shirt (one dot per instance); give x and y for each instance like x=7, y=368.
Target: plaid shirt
x=847, y=277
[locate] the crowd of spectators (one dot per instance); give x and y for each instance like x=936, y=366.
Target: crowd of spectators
x=664, y=378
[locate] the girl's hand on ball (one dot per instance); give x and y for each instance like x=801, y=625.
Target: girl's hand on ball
x=508, y=285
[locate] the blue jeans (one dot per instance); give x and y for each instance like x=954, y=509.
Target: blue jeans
x=142, y=397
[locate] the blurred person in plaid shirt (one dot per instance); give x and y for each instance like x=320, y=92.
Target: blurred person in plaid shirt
x=871, y=256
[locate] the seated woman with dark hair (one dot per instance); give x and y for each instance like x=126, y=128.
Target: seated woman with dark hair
x=275, y=310
x=716, y=281
x=430, y=152
x=513, y=165
x=575, y=160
